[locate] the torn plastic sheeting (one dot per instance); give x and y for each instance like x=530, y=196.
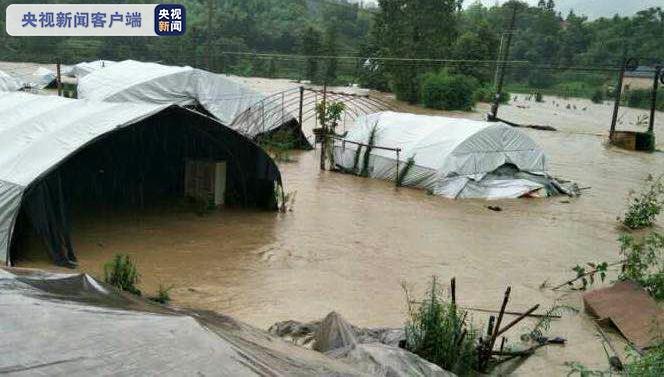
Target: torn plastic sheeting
x=57, y=324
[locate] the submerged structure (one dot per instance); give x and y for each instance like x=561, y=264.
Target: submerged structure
x=220, y=96
x=454, y=158
x=59, y=154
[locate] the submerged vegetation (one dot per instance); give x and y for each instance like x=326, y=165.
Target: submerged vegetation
x=279, y=144
x=406, y=169
x=644, y=262
x=438, y=332
x=367, y=152
x=645, y=206
x=163, y=296
x=641, y=258
x=121, y=273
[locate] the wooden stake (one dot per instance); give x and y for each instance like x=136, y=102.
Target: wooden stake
x=58, y=79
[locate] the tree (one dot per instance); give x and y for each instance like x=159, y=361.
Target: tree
x=414, y=29
x=311, y=47
x=550, y=5
x=330, y=49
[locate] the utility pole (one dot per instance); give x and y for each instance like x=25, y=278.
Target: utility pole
x=500, y=54
x=493, y=117
x=653, y=97
x=617, y=93
x=627, y=65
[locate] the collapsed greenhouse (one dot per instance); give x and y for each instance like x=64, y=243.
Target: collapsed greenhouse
x=218, y=95
x=60, y=154
x=450, y=157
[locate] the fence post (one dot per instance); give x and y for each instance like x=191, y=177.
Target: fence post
x=58, y=78
x=301, y=105
x=653, y=98
x=396, y=181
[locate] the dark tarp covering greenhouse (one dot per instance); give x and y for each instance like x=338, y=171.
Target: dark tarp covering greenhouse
x=73, y=325
x=59, y=153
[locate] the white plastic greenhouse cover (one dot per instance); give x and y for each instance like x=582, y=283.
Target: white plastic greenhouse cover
x=451, y=157
x=38, y=132
x=84, y=68
x=132, y=81
x=9, y=83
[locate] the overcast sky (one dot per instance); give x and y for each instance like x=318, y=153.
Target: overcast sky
x=590, y=8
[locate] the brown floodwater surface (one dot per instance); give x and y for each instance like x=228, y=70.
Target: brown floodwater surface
x=350, y=242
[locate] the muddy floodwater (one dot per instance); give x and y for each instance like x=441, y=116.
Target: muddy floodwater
x=350, y=242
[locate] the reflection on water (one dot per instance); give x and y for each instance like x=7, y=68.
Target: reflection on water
x=350, y=242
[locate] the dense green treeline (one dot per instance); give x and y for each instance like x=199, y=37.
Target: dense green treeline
x=246, y=37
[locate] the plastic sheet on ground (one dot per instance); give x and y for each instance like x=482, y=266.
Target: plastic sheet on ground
x=73, y=325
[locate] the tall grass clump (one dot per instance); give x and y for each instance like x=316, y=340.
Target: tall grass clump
x=644, y=207
x=163, y=295
x=438, y=332
x=121, y=273
x=404, y=172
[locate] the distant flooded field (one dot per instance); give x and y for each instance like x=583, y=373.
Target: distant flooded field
x=350, y=242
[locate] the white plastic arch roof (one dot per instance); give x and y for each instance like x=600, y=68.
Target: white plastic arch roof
x=38, y=132
x=443, y=149
x=133, y=81
x=9, y=83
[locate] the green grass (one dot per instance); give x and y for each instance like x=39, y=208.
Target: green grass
x=163, y=296
x=121, y=273
x=438, y=332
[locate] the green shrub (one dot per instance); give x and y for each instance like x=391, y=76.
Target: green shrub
x=642, y=99
x=540, y=79
x=437, y=331
x=448, y=92
x=539, y=97
x=406, y=85
x=644, y=262
x=651, y=364
x=598, y=96
x=486, y=94
x=121, y=273
x=644, y=207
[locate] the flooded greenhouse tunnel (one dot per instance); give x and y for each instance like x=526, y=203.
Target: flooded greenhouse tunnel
x=347, y=243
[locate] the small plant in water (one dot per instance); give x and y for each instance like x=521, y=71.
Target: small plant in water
x=404, y=172
x=645, y=206
x=163, y=296
x=121, y=273
x=644, y=262
x=438, y=332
